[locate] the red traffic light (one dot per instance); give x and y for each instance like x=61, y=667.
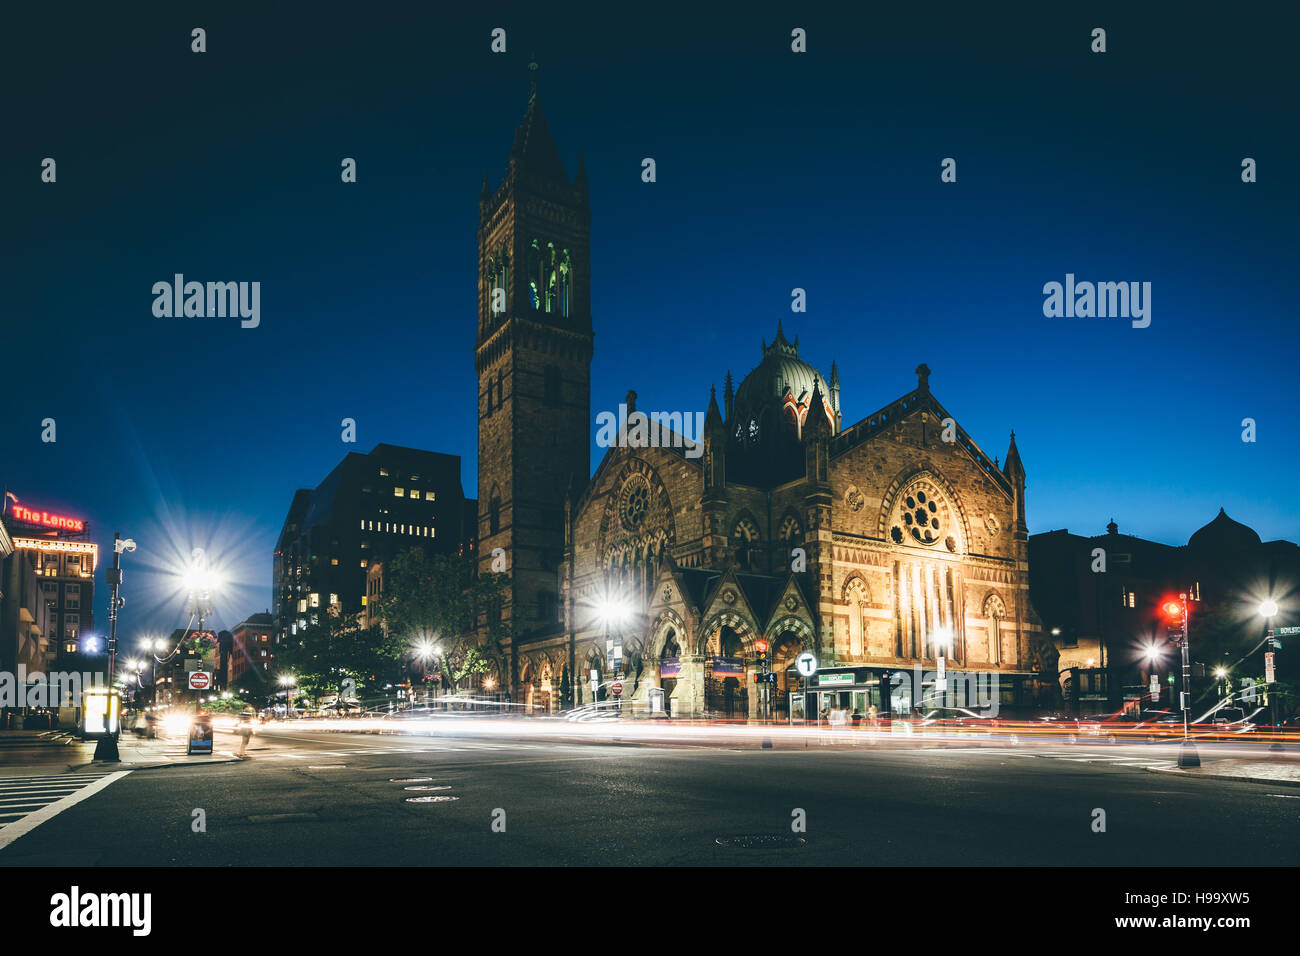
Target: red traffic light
x=1173, y=610
x=760, y=646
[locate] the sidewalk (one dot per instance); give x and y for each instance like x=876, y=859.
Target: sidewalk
x=140, y=754
x=1279, y=771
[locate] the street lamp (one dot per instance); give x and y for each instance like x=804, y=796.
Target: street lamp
x=942, y=644
x=1267, y=610
x=613, y=612
x=199, y=582
x=288, y=681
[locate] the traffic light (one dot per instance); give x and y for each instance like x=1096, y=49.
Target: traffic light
x=1174, y=612
x=761, y=648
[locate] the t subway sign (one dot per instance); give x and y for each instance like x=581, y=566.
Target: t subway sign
x=47, y=520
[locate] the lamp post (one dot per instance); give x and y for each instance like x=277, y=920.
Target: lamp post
x=1179, y=615
x=613, y=612
x=942, y=640
x=288, y=682
x=200, y=581
x=1267, y=610
x=106, y=746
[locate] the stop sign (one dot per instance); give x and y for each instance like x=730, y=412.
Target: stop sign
x=617, y=688
x=200, y=680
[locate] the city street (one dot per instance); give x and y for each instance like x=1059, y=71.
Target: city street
x=307, y=798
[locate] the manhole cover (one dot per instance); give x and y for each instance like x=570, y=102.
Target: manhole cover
x=762, y=841
x=426, y=788
x=409, y=779
x=430, y=799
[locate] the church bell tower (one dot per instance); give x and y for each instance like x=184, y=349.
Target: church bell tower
x=533, y=359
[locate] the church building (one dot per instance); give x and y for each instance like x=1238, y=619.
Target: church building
x=877, y=545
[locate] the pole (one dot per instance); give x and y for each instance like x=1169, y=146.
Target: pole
x=106, y=746
x=1187, y=756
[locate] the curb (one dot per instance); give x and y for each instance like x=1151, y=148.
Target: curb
x=155, y=765
x=1271, y=781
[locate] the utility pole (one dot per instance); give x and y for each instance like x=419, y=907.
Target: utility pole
x=106, y=746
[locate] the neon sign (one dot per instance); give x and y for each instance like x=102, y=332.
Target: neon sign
x=47, y=520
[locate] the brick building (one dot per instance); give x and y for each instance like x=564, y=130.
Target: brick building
x=251, y=647
x=868, y=544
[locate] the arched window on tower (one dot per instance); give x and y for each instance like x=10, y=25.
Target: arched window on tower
x=744, y=541
x=494, y=513
x=548, y=276
x=566, y=284
x=534, y=275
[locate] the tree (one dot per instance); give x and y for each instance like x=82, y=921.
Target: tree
x=339, y=656
x=443, y=600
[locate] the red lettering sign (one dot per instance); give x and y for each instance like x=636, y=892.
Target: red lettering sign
x=45, y=519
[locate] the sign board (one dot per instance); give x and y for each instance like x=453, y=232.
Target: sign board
x=825, y=679
x=100, y=711
x=1283, y=631
x=200, y=680
x=1268, y=667
x=941, y=674
x=1154, y=687
x=617, y=688
x=806, y=664
x=200, y=735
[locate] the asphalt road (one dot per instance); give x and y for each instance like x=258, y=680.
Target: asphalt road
x=307, y=799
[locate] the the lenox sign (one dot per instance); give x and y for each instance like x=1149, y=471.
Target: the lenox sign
x=47, y=520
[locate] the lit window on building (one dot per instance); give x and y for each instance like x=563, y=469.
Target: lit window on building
x=415, y=492
x=430, y=496
x=334, y=561
x=399, y=492
x=383, y=472
x=315, y=599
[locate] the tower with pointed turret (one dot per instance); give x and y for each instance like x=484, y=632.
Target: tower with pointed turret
x=533, y=360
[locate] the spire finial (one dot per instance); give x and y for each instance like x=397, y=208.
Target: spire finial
x=923, y=377
x=532, y=77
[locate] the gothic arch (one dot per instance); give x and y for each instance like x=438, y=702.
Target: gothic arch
x=666, y=622
x=745, y=629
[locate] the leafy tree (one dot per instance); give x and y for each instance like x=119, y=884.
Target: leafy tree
x=444, y=601
x=339, y=656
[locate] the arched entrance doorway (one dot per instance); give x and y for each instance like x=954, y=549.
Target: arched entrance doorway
x=787, y=646
x=725, y=693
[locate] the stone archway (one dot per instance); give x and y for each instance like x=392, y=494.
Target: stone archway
x=728, y=666
x=788, y=637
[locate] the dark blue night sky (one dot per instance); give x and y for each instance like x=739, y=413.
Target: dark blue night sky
x=775, y=171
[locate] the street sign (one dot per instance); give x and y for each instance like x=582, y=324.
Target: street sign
x=1268, y=668
x=806, y=664
x=617, y=688
x=1154, y=687
x=825, y=679
x=1283, y=631
x=200, y=680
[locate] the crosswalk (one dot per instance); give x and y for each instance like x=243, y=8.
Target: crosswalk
x=28, y=801
x=1072, y=756
x=389, y=751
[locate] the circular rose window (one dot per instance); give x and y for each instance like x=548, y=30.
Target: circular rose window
x=634, y=502
x=921, y=517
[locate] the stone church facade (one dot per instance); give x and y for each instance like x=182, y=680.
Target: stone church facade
x=875, y=545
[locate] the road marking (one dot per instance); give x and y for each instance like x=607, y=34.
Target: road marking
x=328, y=766
x=427, y=788
x=1285, y=796
x=441, y=799
x=12, y=831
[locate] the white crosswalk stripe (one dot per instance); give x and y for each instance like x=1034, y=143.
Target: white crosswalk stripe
x=21, y=797
x=1072, y=756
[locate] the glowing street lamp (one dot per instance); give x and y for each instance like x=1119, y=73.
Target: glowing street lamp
x=1267, y=610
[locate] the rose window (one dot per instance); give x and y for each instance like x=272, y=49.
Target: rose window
x=634, y=503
